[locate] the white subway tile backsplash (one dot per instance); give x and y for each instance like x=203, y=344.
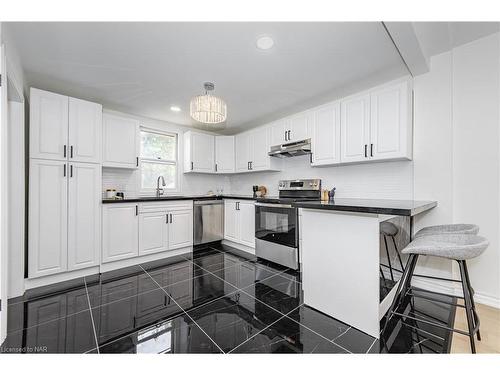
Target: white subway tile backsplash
x=125, y=180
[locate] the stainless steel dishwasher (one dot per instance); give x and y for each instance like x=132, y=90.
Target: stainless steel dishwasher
x=208, y=221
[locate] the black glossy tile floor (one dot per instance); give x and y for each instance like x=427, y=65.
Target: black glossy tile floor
x=218, y=301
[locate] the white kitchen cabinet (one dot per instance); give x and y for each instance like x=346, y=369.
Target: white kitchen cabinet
x=199, y=152
x=180, y=229
x=239, y=221
x=391, y=127
x=153, y=232
x=298, y=127
x=252, y=150
x=120, y=231
x=85, y=131
x=48, y=125
x=243, y=151
x=120, y=142
x=84, y=212
x=48, y=217
x=247, y=223
x=278, y=132
x=224, y=154
x=326, y=134
x=355, y=128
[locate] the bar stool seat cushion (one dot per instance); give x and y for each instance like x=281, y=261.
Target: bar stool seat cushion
x=451, y=246
x=388, y=228
x=448, y=229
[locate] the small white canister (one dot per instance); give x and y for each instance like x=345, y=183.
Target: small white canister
x=110, y=193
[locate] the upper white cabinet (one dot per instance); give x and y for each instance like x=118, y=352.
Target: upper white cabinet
x=120, y=142
x=278, y=132
x=291, y=129
x=199, y=152
x=391, y=130
x=224, y=154
x=355, y=128
x=85, y=131
x=64, y=128
x=48, y=125
x=326, y=134
x=377, y=124
x=252, y=148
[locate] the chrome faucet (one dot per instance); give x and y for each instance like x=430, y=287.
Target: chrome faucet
x=159, y=191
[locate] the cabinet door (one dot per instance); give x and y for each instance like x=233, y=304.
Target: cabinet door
x=119, y=232
x=85, y=131
x=84, y=215
x=278, y=133
x=45, y=316
x=355, y=128
x=231, y=219
x=153, y=233
x=202, y=152
x=224, y=154
x=180, y=229
x=242, y=152
x=260, y=149
x=48, y=217
x=390, y=122
x=120, y=142
x=326, y=135
x=247, y=223
x=298, y=127
x=48, y=125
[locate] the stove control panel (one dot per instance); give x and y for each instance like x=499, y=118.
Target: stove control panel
x=310, y=184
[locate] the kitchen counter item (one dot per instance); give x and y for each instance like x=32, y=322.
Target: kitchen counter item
x=208, y=217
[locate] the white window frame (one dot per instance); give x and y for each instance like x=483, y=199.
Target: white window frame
x=166, y=191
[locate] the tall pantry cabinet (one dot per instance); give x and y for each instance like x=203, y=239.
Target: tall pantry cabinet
x=64, y=183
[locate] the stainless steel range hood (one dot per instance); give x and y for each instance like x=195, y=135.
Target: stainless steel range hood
x=291, y=149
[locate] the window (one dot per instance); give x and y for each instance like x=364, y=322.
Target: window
x=158, y=158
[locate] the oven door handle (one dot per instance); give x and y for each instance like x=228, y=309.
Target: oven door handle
x=277, y=205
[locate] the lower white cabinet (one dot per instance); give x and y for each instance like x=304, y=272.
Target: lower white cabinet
x=180, y=229
x=64, y=216
x=239, y=221
x=153, y=232
x=120, y=231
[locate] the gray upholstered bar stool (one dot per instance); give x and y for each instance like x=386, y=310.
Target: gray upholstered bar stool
x=448, y=229
x=458, y=247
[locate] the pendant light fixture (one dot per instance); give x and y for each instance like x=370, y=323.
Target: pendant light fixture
x=208, y=109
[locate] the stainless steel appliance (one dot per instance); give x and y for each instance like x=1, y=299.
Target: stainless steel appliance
x=208, y=217
x=276, y=221
x=291, y=149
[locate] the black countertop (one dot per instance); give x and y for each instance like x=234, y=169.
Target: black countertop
x=372, y=206
x=178, y=198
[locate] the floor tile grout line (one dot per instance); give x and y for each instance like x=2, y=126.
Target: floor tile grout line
x=263, y=329
x=91, y=315
x=371, y=346
x=184, y=311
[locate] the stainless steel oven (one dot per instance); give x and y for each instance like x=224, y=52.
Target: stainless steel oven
x=276, y=222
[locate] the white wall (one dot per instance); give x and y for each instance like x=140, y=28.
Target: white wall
x=456, y=157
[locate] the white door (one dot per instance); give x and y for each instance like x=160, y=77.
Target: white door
x=48, y=217
x=389, y=122
x=120, y=142
x=242, y=152
x=247, y=223
x=298, y=127
x=355, y=128
x=278, y=133
x=260, y=148
x=180, y=229
x=48, y=125
x=231, y=220
x=224, y=154
x=84, y=215
x=119, y=231
x=153, y=232
x=85, y=131
x=326, y=135
x=202, y=152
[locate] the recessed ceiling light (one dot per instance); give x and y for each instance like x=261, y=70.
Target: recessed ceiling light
x=175, y=108
x=265, y=42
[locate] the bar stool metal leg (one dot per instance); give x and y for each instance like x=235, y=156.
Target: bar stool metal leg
x=468, y=305
x=388, y=257
x=397, y=253
x=471, y=293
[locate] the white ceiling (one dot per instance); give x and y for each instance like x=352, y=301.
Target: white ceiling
x=144, y=68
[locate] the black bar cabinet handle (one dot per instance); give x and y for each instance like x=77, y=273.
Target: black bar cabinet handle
x=166, y=218
x=71, y=151
x=216, y=167
x=136, y=210
x=289, y=134
x=137, y=161
x=366, y=153
x=371, y=149
x=64, y=151
x=71, y=171
x=192, y=165
x=171, y=219
x=64, y=170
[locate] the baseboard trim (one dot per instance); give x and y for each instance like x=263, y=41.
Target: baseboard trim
x=487, y=300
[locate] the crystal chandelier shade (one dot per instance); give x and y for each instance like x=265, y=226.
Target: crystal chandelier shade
x=208, y=109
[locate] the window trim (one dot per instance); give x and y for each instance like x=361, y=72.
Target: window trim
x=167, y=191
